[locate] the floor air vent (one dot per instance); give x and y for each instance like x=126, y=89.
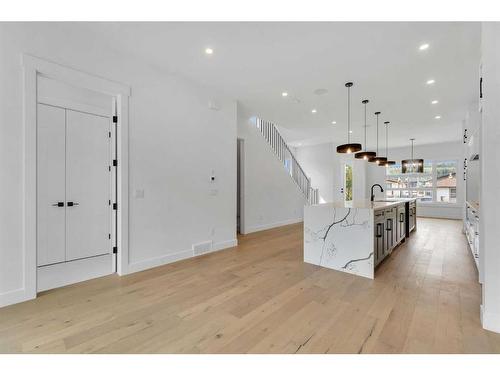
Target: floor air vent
x=202, y=247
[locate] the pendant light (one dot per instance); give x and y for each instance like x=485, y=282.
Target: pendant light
x=365, y=155
x=378, y=159
x=388, y=162
x=412, y=165
x=348, y=147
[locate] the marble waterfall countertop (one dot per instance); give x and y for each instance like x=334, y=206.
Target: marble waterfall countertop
x=376, y=205
x=340, y=235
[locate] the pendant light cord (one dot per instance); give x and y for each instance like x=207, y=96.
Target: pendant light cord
x=387, y=141
x=365, y=128
x=348, y=114
x=377, y=133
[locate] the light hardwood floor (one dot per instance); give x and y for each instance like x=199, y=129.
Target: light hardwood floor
x=261, y=298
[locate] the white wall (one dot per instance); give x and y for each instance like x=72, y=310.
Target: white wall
x=490, y=177
x=271, y=196
x=316, y=161
x=438, y=151
x=324, y=166
x=175, y=143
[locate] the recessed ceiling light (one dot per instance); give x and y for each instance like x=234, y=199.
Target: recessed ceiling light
x=299, y=144
x=209, y=51
x=314, y=111
x=423, y=47
x=437, y=117
x=350, y=131
x=434, y=102
x=430, y=81
x=284, y=94
x=334, y=122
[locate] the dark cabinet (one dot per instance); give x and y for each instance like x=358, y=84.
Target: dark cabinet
x=401, y=223
x=379, y=237
x=412, y=216
x=390, y=229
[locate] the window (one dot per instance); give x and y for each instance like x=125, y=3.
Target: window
x=438, y=182
x=348, y=182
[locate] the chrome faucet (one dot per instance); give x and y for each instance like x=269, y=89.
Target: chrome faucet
x=373, y=195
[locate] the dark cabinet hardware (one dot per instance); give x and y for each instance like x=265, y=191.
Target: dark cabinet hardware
x=71, y=204
x=379, y=230
x=402, y=217
x=389, y=228
x=58, y=204
x=481, y=88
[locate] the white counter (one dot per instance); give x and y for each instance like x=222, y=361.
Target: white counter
x=340, y=235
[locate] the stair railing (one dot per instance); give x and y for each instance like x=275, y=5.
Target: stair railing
x=285, y=155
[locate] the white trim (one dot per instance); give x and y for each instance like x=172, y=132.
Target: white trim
x=33, y=66
x=79, y=107
x=175, y=257
x=14, y=296
x=491, y=321
x=258, y=228
x=224, y=245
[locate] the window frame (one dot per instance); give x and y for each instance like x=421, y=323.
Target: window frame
x=432, y=188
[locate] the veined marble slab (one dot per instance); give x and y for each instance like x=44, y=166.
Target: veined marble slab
x=340, y=238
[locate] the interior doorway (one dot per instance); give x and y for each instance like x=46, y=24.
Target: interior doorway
x=76, y=184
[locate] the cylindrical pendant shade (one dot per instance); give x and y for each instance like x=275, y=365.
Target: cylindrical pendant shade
x=378, y=160
x=390, y=162
x=365, y=155
x=349, y=148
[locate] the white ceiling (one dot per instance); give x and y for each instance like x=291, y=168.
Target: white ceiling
x=256, y=62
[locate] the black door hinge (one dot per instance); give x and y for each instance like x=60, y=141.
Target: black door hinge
x=115, y=206
x=115, y=163
x=109, y=235
x=109, y=202
x=109, y=134
x=115, y=250
x=115, y=119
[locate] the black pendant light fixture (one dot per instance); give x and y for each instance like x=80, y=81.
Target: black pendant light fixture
x=348, y=147
x=378, y=159
x=412, y=165
x=365, y=155
x=388, y=162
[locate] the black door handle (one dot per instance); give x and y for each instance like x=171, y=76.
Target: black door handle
x=378, y=234
x=71, y=204
x=58, y=204
x=389, y=228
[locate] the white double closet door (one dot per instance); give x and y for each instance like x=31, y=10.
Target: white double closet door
x=74, y=190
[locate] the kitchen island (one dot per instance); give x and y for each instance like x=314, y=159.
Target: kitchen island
x=355, y=237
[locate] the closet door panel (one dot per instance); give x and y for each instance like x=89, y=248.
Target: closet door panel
x=50, y=185
x=88, y=185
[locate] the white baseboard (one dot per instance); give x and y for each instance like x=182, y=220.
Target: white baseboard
x=225, y=244
x=175, y=257
x=490, y=321
x=15, y=296
x=257, y=228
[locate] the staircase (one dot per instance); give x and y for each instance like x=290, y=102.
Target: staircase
x=271, y=134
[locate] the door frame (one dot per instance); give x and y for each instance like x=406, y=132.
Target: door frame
x=32, y=68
